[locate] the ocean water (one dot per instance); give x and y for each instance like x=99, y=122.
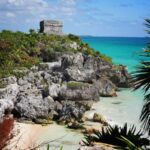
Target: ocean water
x=127, y=106
x=122, y=50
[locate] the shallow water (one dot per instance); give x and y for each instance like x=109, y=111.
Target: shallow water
x=122, y=50
x=58, y=136
x=127, y=106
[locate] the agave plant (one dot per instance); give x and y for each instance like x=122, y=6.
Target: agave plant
x=113, y=134
x=141, y=79
x=130, y=145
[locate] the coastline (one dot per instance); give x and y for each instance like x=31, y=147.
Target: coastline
x=25, y=136
x=28, y=136
x=108, y=107
x=62, y=91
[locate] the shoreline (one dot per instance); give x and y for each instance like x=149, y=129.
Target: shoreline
x=33, y=135
x=25, y=136
x=41, y=133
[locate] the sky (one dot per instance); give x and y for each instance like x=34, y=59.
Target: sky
x=123, y=18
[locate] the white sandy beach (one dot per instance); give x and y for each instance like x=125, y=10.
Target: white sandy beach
x=117, y=110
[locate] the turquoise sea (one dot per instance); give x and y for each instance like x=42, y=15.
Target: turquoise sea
x=123, y=50
x=126, y=107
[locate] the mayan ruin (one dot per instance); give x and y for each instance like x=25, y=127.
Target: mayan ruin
x=51, y=27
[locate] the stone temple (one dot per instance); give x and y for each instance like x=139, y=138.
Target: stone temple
x=51, y=27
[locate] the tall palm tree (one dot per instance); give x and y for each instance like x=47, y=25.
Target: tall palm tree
x=141, y=79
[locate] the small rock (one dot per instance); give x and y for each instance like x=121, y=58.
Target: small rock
x=42, y=121
x=75, y=125
x=99, y=118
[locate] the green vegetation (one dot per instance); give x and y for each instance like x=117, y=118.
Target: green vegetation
x=18, y=49
x=2, y=84
x=118, y=137
x=141, y=79
x=75, y=85
x=48, y=147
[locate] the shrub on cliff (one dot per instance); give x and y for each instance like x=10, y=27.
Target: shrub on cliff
x=18, y=49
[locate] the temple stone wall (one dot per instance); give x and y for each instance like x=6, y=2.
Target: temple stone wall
x=51, y=27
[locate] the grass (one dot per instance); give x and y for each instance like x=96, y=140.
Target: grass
x=18, y=49
x=75, y=85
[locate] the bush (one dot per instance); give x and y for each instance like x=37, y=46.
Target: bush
x=118, y=137
x=18, y=49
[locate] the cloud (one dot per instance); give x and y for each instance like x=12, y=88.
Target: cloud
x=10, y=14
x=69, y=2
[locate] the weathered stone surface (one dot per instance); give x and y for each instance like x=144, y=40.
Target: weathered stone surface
x=106, y=87
x=99, y=118
x=51, y=27
x=10, y=92
x=49, y=66
x=32, y=105
x=71, y=110
x=6, y=106
x=9, y=80
x=120, y=77
x=63, y=89
x=43, y=121
x=54, y=90
x=77, y=91
x=96, y=64
x=75, y=125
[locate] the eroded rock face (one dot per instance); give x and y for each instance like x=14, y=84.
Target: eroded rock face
x=61, y=90
x=99, y=118
x=106, y=87
x=31, y=105
x=6, y=106
x=121, y=78
x=82, y=68
x=71, y=111
x=78, y=91
x=8, y=95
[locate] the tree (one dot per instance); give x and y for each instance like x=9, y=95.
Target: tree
x=141, y=79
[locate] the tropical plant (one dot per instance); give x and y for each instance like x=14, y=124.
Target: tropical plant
x=118, y=137
x=141, y=79
x=130, y=145
x=18, y=49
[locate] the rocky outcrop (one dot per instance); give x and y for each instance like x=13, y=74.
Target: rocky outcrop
x=96, y=147
x=8, y=95
x=62, y=90
x=106, y=87
x=77, y=91
x=99, y=118
x=82, y=68
x=6, y=106
x=71, y=111
x=31, y=105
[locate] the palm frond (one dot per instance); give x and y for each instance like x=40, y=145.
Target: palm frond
x=130, y=145
x=147, y=23
x=145, y=114
x=141, y=77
